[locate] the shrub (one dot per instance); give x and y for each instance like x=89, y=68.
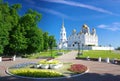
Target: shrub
x=37, y=73
x=77, y=68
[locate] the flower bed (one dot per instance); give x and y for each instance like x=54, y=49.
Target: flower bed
x=27, y=70
x=36, y=73
x=77, y=68
x=22, y=65
x=49, y=64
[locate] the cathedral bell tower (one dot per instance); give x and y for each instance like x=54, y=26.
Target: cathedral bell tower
x=63, y=38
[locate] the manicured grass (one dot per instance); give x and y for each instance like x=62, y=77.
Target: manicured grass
x=45, y=54
x=101, y=53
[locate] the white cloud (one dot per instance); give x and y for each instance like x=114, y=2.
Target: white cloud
x=102, y=26
x=76, y=4
x=47, y=10
x=53, y=12
x=113, y=26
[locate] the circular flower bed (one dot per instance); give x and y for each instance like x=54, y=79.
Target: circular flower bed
x=30, y=70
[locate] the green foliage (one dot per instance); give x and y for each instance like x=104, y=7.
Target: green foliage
x=20, y=34
x=37, y=73
x=118, y=48
x=33, y=33
x=52, y=42
x=5, y=25
x=46, y=39
x=100, y=53
x=18, y=42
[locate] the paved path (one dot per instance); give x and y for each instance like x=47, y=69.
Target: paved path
x=98, y=71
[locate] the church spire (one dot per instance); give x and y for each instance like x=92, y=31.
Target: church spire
x=63, y=23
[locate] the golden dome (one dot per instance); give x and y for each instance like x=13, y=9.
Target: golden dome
x=85, y=26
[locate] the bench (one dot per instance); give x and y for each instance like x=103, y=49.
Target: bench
x=7, y=58
x=60, y=53
x=94, y=59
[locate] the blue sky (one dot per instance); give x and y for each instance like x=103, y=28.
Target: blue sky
x=103, y=15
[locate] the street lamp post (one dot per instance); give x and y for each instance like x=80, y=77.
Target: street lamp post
x=79, y=52
x=82, y=48
x=78, y=49
x=110, y=47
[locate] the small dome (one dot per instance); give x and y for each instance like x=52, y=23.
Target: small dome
x=74, y=30
x=93, y=29
x=85, y=26
x=80, y=32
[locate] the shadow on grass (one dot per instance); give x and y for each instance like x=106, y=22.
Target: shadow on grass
x=85, y=77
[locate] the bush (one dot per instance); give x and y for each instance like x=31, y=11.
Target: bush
x=77, y=68
x=37, y=73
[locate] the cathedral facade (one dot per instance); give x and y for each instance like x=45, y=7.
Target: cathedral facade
x=84, y=39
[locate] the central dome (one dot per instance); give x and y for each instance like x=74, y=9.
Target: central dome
x=85, y=26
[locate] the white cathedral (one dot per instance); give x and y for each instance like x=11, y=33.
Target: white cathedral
x=84, y=38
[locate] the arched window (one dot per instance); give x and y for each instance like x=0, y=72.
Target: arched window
x=73, y=45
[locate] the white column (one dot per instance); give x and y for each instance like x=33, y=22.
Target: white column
x=14, y=57
x=114, y=61
x=88, y=58
x=99, y=59
x=107, y=60
x=0, y=59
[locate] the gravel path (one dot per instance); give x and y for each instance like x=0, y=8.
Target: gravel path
x=98, y=71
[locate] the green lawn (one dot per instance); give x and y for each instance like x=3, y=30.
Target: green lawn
x=45, y=54
x=100, y=53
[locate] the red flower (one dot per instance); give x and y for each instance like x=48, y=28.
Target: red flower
x=77, y=68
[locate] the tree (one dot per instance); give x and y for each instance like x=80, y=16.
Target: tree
x=51, y=43
x=10, y=22
x=35, y=42
x=21, y=34
x=18, y=42
x=46, y=39
x=118, y=48
x=5, y=25
x=33, y=33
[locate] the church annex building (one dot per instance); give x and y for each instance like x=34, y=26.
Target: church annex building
x=85, y=39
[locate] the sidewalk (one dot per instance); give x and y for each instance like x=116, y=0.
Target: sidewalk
x=98, y=71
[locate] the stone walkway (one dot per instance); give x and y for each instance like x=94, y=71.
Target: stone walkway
x=98, y=71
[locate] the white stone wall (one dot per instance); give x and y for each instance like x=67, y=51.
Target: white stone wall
x=92, y=48
x=101, y=48
x=91, y=40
